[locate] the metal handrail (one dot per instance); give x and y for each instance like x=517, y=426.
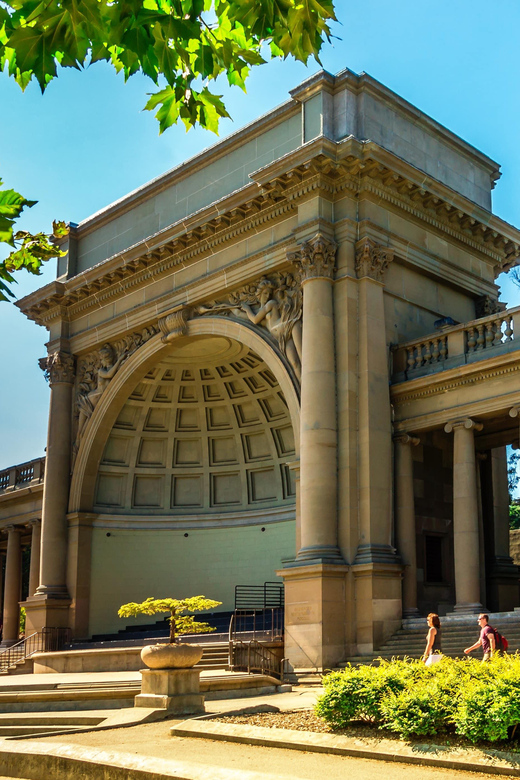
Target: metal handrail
x=46, y=640
x=255, y=658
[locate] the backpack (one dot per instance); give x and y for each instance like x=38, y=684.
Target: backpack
x=501, y=642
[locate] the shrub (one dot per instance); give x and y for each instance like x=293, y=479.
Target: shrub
x=478, y=701
x=420, y=710
x=356, y=692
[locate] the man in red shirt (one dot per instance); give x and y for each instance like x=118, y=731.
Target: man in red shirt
x=486, y=639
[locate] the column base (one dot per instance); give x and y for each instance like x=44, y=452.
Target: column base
x=45, y=612
x=174, y=690
x=317, y=554
x=467, y=609
x=376, y=553
x=315, y=614
x=411, y=612
x=52, y=592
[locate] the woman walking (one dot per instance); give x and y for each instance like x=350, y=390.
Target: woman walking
x=433, y=651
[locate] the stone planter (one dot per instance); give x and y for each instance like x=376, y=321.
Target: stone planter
x=178, y=656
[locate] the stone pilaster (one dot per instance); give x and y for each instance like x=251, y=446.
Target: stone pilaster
x=34, y=568
x=375, y=427
x=52, y=589
x=13, y=573
x=377, y=568
x=465, y=516
x=405, y=520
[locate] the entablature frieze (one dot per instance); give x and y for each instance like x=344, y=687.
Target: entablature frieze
x=322, y=167
x=216, y=284
x=467, y=392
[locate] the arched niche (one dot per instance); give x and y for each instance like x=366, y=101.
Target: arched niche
x=136, y=368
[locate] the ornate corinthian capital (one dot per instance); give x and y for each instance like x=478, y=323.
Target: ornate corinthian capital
x=174, y=324
x=316, y=258
x=58, y=367
x=372, y=259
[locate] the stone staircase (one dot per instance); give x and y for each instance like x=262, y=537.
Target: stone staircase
x=458, y=632
x=215, y=656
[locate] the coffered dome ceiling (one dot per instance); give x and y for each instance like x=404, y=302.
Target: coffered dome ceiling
x=206, y=431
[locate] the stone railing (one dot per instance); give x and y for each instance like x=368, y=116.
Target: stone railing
x=454, y=346
x=22, y=475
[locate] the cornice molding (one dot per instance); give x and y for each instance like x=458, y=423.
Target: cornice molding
x=468, y=374
x=321, y=166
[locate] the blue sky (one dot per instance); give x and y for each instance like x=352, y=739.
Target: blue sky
x=87, y=142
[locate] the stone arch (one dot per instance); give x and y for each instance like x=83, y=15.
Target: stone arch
x=135, y=368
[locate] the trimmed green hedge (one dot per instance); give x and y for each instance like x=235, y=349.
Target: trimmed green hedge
x=477, y=701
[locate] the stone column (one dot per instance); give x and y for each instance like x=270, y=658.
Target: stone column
x=13, y=572
x=34, y=568
x=405, y=520
x=503, y=576
x=318, y=442
x=49, y=605
x=315, y=583
x=465, y=516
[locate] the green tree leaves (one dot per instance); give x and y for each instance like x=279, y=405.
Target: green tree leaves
x=181, y=45
x=29, y=251
x=184, y=43
x=180, y=622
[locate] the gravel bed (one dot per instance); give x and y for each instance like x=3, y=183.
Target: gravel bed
x=306, y=720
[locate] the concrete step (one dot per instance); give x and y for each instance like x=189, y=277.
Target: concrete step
x=46, y=719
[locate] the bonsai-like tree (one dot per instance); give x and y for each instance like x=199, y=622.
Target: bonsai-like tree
x=180, y=623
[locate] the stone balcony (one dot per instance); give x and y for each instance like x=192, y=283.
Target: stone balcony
x=22, y=476
x=468, y=370
x=458, y=345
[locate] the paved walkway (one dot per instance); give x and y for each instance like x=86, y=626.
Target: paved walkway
x=150, y=746
x=209, y=759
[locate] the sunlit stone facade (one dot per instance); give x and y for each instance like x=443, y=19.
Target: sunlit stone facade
x=284, y=359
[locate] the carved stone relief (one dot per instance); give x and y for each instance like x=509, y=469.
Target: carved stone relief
x=273, y=303
x=486, y=305
x=174, y=324
x=316, y=258
x=372, y=259
x=97, y=369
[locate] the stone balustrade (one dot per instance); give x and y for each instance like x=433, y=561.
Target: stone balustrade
x=456, y=345
x=22, y=475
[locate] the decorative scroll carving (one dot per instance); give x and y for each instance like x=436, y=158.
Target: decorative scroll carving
x=486, y=305
x=96, y=370
x=372, y=259
x=174, y=324
x=315, y=258
x=406, y=439
x=58, y=367
x=274, y=303
x=466, y=423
